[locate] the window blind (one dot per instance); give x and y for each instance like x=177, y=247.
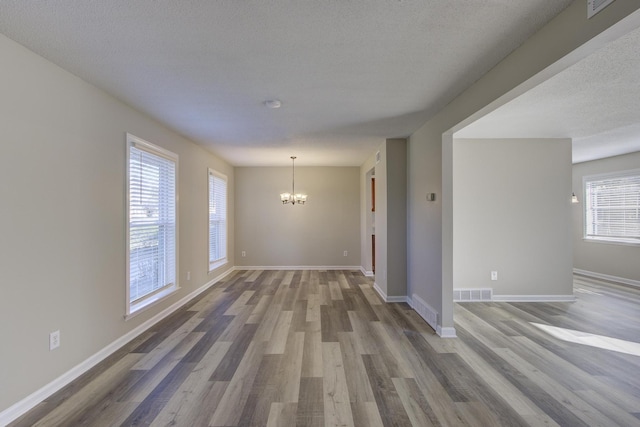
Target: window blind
x=152, y=221
x=217, y=218
x=612, y=207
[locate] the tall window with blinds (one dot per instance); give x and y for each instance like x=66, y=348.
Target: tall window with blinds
x=152, y=230
x=612, y=207
x=217, y=219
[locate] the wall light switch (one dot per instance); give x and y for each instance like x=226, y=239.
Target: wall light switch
x=494, y=275
x=244, y=253
x=54, y=340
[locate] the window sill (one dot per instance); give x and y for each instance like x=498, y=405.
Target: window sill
x=217, y=264
x=148, y=302
x=619, y=242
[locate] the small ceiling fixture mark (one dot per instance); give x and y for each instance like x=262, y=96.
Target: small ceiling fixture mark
x=273, y=103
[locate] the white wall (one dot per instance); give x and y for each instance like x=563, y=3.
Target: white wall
x=62, y=214
x=314, y=234
x=602, y=258
x=512, y=214
x=558, y=45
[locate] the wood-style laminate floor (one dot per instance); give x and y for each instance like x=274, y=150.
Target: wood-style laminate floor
x=319, y=348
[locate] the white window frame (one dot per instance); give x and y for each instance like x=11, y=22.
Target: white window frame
x=622, y=240
x=220, y=261
x=134, y=308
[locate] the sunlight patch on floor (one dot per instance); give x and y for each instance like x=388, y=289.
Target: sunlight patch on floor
x=585, y=338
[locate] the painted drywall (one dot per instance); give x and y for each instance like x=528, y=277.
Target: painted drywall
x=380, y=277
x=512, y=214
x=390, y=217
x=558, y=45
x=368, y=228
x=396, y=207
x=597, y=257
x=367, y=218
x=314, y=234
x=62, y=210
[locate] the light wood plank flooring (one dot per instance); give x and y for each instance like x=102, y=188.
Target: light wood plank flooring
x=319, y=348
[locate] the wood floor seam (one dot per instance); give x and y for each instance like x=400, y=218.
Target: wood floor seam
x=320, y=348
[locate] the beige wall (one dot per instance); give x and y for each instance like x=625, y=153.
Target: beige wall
x=396, y=206
x=558, y=45
x=381, y=224
x=367, y=217
x=512, y=214
x=390, y=217
x=596, y=257
x=62, y=210
x=314, y=234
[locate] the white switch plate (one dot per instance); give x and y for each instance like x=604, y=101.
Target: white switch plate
x=345, y=253
x=54, y=340
x=188, y=275
x=244, y=253
x=494, y=275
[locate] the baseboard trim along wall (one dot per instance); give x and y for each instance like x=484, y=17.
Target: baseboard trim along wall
x=608, y=277
x=446, y=332
x=380, y=292
x=297, y=267
x=20, y=408
x=430, y=316
x=367, y=273
x=387, y=298
x=534, y=298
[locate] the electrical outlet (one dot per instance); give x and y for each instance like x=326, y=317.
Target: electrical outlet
x=345, y=253
x=54, y=340
x=244, y=253
x=188, y=275
x=494, y=275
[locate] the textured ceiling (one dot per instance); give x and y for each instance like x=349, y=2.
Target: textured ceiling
x=349, y=73
x=596, y=102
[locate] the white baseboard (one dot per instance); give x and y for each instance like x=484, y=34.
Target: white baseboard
x=534, y=298
x=367, y=273
x=608, y=277
x=430, y=316
x=446, y=332
x=397, y=299
x=424, y=310
x=20, y=408
x=296, y=267
x=386, y=298
x=380, y=292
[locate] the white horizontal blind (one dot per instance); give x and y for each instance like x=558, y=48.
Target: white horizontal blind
x=217, y=218
x=152, y=221
x=612, y=207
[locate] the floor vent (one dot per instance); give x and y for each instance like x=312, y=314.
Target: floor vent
x=462, y=295
x=425, y=311
x=595, y=6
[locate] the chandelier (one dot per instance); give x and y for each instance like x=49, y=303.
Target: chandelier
x=292, y=197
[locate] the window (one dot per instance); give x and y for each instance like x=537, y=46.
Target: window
x=217, y=219
x=152, y=229
x=612, y=207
